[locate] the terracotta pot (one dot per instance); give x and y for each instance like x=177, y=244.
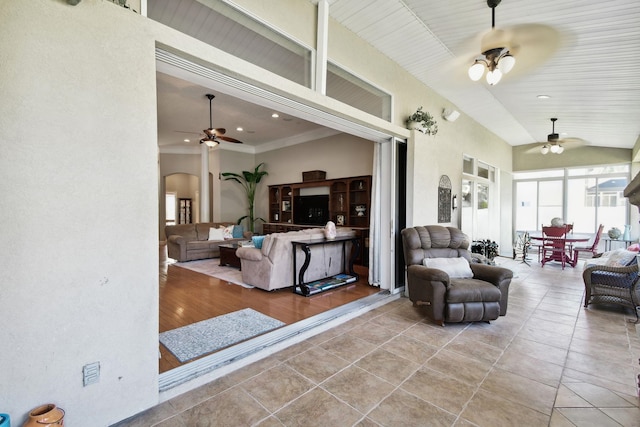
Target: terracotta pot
x=45, y=415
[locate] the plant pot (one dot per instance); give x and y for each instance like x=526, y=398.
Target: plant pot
x=45, y=415
x=415, y=125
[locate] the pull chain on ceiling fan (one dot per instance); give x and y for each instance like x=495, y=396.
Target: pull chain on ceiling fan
x=212, y=136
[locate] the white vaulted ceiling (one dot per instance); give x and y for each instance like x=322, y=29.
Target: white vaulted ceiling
x=593, y=78
x=592, y=75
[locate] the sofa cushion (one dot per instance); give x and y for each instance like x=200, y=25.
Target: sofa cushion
x=238, y=231
x=257, y=241
x=227, y=232
x=216, y=233
x=454, y=267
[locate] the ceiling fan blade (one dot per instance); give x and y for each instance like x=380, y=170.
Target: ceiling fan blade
x=228, y=139
x=214, y=132
x=532, y=45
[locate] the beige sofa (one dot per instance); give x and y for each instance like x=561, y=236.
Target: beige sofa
x=271, y=267
x=187, y=242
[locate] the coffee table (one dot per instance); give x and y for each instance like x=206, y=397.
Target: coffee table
x=228, y=255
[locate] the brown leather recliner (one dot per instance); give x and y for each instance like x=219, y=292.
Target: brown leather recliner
x=480, y=298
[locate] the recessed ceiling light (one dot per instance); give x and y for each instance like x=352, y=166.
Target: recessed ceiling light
x=544, y=96
x=275, y=115
x=239, y=129
x=186, y=140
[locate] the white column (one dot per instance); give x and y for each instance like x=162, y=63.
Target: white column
x=204, y=183
x=321, y=47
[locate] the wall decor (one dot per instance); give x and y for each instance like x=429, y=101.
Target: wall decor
x=444, y=199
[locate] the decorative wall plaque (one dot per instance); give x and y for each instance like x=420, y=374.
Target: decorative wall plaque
x=444, y=199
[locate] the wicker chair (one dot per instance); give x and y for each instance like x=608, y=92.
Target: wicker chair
x=612, y=285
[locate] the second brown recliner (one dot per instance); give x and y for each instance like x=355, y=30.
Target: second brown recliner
x=480, y=295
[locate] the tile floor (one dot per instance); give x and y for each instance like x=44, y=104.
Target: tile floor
x=548, y=362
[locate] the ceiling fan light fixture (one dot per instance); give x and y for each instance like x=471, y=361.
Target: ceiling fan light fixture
x=560, y=149
x=494, y=46
x=544, y=149
x=476, y=70
x=210, y=142
x=506, y=63
x=493, y=77
x=554, y=149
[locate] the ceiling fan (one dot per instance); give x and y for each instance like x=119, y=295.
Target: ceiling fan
x=530, y=45
x=555, y=144
x=213, y=135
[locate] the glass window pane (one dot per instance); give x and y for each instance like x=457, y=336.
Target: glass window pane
x=483, y=170
x=351, y=90
x=467, y=193
x=483, y=196
x=467, y=165
x=234, y=32
x=538, y=174
x=598, y=170
x=550, y=201
x=581, y=204
x=612, y=205
x=527, y=206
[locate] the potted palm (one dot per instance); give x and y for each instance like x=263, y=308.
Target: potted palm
x=249, y=182
x=423, y=121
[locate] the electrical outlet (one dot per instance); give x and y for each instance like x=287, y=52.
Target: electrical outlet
x=91, y=373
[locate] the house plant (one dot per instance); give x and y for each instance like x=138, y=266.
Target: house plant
x=249, y=182
x=423, y=121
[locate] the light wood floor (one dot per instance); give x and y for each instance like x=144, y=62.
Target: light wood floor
x=187, y=297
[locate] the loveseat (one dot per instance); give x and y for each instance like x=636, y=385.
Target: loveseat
x=188, y=242
x=271, y=266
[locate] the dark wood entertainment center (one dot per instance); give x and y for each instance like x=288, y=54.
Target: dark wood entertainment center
x=349, y=206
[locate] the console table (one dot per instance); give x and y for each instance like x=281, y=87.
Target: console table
x=310, y=288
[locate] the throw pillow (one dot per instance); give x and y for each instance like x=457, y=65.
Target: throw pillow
x=216, y=234
x=620, y=258
x=227, y=232
x=238, y=232
x=456, y=268
x=257, y=241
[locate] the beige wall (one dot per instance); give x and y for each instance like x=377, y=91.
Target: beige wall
x=528, y=157
x=80, y=282
x=79, y=168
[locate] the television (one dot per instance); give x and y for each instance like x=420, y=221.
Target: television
x=311, y=210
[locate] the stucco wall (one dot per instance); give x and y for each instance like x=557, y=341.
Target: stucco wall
x=78, y=162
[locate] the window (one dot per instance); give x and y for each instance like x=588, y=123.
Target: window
x=170, y=208
x=467, y=165
x=351, y=90
x=238, y=34
x=480, y=200
x=584, y=197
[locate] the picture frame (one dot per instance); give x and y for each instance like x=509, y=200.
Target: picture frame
x=286, y=206
x=340, y=220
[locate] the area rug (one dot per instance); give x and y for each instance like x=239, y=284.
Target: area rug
x=212, y=267
x=191, y=341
